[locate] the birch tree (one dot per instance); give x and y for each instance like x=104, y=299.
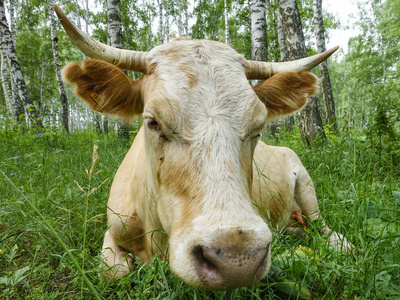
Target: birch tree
x=227, y=39
x=14, y=93
x=15, y=69
x=323, y=67
x=259, y=30
x=167, y=23
x=13, y=105
x=6, y=87
x=114, y=24
x=281, y=40
x=160, y=21
x=186, y=17
x=63, y=94
x=115, y=39
x=309, y=118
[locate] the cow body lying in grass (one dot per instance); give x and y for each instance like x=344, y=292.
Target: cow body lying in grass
x=197, y=178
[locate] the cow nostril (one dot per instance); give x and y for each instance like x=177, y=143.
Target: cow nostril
x=204, y=266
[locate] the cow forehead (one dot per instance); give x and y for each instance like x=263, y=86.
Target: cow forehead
x=203, y=82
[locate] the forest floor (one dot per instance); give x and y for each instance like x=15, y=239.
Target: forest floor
x=52, y=222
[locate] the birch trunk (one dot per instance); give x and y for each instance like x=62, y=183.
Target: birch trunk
x=87, y=16
x=310, y=121
x=6, y=87
x=186, y=17
x=323, y=67
x=42, y=86
x=282, y=40
x=11, y=9
x=15, y=69
x=259, y=31
x=63, y=94
x=166, y=27
x=160, y=21
x=115, y=39
x=114, y=24
x=227, y=40
x=14, y=93
x=179, y=18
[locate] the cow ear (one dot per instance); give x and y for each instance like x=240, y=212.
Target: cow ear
x=286, y=92
x=105, y=88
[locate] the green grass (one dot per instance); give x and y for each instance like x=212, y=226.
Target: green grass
x=358, y=195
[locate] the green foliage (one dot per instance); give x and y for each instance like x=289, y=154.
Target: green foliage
x=50, y=171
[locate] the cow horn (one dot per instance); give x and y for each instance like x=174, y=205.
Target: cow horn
x=264, y=70
x=124, y=59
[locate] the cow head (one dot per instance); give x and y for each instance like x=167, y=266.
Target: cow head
x=202, y=121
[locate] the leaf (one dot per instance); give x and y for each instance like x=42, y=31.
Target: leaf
x=293, y=289
x=19, y=274
x=376, y=227
x=396, y=196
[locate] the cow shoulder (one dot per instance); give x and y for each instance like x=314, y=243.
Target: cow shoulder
x=286, y=92
x=105, y=88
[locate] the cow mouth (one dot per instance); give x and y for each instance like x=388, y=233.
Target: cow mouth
x=206, y=270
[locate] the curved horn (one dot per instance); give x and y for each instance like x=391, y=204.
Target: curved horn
x=264, y=70
x=125, y=59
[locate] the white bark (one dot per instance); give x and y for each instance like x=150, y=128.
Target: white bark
x=227, y=40
x=15, y=69
x=282, y=40
x=259, y=30
x=6, y=87
x=291, y=24
x=323, y=67
x=42, y=86
x=167, y=22
x=309, y=118
x=160, y=21
x=186, y=17
x=63, y=95
x=179, y=19
x=114, y=24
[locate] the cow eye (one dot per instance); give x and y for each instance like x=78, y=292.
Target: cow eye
x=153, y=125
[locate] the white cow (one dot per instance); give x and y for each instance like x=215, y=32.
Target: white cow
x=197, y=169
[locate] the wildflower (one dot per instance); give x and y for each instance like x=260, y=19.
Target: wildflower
x=15, y=248
x=1, y=252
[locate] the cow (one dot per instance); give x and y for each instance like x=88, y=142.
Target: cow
x=197, y=182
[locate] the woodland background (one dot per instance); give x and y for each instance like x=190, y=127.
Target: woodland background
x=52, y=218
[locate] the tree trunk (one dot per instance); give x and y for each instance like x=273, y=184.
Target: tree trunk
x=282, y=40
x=179, y=20
x=161, y=21
x=323, y=67
x=63, y=94
x=214, y=23
x=259, y=31
x=227, y=40
x=15, y=69
x=115, y=39
x=6, y=87
x=105, y=124
x=87, y=16
x=310, y=121
x=114, y=24
x=166, y=27
x=16, y=104
x=42, y=87
x=186, y=17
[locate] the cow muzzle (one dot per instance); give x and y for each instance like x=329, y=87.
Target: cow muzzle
x=224, y=258
x=226, y=267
